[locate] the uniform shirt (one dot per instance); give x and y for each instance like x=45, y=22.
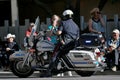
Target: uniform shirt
x=69, y=29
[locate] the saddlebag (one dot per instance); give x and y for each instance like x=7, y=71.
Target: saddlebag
x=82, y=58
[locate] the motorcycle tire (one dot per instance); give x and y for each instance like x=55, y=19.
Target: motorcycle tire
x=21, y=72
x=85, y=73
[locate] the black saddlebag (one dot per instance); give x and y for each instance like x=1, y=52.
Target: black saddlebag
x=89, y=40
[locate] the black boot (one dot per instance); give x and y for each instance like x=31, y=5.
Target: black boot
x=48, y=72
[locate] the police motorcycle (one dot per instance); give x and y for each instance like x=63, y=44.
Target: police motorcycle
x=80, y=60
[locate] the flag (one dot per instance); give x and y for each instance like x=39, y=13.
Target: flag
x=34, y=28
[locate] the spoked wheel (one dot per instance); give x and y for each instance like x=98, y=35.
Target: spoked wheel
x=21, y=71
x=85, y=73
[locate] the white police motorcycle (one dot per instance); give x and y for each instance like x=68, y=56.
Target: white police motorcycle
x=82, y=59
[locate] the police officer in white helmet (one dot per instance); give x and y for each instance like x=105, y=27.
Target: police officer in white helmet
x=69, y=32
x=68, y=28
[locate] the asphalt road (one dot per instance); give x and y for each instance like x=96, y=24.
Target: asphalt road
x=107, y=75
x=95, y=77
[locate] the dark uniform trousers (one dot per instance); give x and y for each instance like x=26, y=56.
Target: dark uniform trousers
x=64, y=49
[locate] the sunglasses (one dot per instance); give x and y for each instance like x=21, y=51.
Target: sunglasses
x=98, y=12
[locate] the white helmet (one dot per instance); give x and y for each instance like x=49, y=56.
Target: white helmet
x=67, y=12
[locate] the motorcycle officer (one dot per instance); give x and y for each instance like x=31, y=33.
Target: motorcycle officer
x=69, y=32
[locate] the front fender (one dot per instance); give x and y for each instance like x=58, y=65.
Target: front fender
x=17, y=55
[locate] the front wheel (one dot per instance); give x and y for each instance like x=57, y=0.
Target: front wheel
x=19, y=70
x=85, y=73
